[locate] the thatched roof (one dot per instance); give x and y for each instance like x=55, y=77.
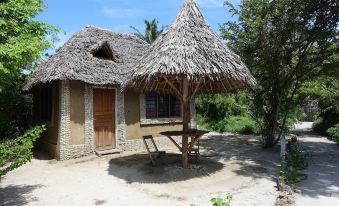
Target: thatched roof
x=80, y=58
x=189, y=48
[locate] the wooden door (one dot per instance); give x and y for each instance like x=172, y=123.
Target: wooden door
x=104, y=118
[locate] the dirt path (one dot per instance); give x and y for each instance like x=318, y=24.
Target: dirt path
x=322, y=186
x=234, y=164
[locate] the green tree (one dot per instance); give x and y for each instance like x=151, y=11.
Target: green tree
x=284, y=43
x=22, y=42
x=151, y=32
x=325, y=89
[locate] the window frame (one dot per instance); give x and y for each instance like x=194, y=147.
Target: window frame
x=156, y=120
x=159, y=112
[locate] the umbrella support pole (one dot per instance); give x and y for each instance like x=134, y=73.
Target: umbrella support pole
x=185, y=151
x=186, y=120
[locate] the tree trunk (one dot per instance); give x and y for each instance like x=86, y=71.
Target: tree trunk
x=271, y=126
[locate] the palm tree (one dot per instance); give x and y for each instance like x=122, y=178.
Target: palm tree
x=151, y=31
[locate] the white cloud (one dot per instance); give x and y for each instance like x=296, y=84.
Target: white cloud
x=120, y=13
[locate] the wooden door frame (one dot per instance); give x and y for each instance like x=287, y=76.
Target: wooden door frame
x=115, y=114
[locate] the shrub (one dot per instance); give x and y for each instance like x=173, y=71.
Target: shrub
x=15, y=108
x=333, y=132
x=322, y=124
x=222, y=201
x=17, y=151
x=217, y=201
x=296, y=159
x=233, y=124
x=237, y=124
x=220, y=106
x=326, y=91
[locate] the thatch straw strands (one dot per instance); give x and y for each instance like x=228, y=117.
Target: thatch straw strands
x=77, y=60
x=189, y=48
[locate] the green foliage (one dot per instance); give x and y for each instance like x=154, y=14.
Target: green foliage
x=232, y=124
x=22, y=42
x=290, y=174
x=296, y=159
x=22, y=39
x=334, y=132
x=220, y=106
x=322, y=124
x=217, y=201
x=16, y=152
x=326, y=90
x=226, y=113
x=222, y=201
x=284, y=43
x=15, y=108
x=151, y=32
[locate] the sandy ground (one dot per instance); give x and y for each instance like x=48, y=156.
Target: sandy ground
x=322, y=186
x=234, y=164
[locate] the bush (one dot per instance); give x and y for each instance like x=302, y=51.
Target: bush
x=326, y=91
x=217, y=201
x=220, y=106
x=233, y=124
x=333, y=132
x=222, y=202
x=15, y=108
x=17, y=151
x=318, y=125
x=323, y=123
x=296, y=159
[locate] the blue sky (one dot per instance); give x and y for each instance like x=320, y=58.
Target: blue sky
x=119, y=15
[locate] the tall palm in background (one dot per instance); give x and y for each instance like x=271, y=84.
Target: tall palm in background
x=151, y=32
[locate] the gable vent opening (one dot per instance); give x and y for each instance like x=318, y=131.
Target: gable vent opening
x=104, y=52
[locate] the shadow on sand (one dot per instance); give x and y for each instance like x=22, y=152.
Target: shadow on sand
x=13, y=195
x=218, y=152
x=246, y=152
x=137, y=168
x=323, y=171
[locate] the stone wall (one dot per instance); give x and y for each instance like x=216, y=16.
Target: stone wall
x=64, y=149
x=120, y=120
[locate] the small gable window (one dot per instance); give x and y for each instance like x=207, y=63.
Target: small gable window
x=104, y=52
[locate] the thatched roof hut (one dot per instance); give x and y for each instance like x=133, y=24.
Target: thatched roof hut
x=93, y=55
x=190, y=48
x=188, y=59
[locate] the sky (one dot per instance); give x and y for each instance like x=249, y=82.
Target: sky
x=118, y=15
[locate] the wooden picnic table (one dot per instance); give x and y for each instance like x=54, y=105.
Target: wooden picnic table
x=194, y=134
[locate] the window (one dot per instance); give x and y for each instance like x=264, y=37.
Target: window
x=162, y=106
x=46, y=103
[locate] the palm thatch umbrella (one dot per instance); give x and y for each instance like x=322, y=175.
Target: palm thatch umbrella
x=187, y=59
